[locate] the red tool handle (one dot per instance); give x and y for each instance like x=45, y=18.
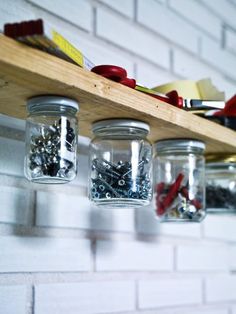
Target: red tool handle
x=173, y=191
x=194, y=202
x=229, y=110
x=119, y=75
x=111, y=72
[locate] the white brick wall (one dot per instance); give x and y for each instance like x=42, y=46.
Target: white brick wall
x=221, y=288
x=38, y=254
x=13, y=299
x=115, y=256
x=128, y=36
x=86, y=297
x=59, y=254
x=168, y=292
x=202, y=257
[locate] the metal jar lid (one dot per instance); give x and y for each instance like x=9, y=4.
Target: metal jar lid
x=119, y=123
x=181, y=144
x=40, y=101
x=221, y=158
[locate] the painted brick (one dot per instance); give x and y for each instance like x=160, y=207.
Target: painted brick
x=202, y=258
x=76, y=12
x=150, y=76
x=11, y=122
x=157, y=17
x=62, y=210
x=145, y=256
x=230, y=39
x=221, y=288
x=233, y=257
x=14, y=11
x=28, y=254
x=98, y=52
x=147, y=223
x=117, y=219
x=71, y=211
x=233, y=310
x=226, y=85
x=16, y=205
x=220, y=227
x=13, y=299
x=210, y=311
x=190, y=67
x=224, y=9
x=181, y=230
x=125, y=7
x=86, y=297
x=82, y=170
x=126, y=35
x=219, y=58
x=211, y=25
x=189, y=309
x=169, y=292
x=12, y=157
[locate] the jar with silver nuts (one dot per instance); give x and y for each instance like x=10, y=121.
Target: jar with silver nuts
x=51, y=139
x=120, y=164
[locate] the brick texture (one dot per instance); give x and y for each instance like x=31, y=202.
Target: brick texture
x=58, y=253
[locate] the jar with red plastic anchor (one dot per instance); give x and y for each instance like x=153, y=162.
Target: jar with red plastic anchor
x=179, y=180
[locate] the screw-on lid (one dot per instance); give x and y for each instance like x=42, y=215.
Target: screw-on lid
x=180, y=144
x=120, y=123
x=40, y=101
x=221, y=158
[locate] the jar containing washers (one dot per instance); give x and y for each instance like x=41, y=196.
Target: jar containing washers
x=51, y=139
x=221, y=184
x=120, y=164
x=179, y=180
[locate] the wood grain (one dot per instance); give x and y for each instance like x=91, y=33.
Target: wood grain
x=27, y=72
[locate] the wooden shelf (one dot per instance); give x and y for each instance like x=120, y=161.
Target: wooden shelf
x=27, y=72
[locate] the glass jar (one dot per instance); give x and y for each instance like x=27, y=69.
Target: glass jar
x=179, y=178
x=51, y=139
x=121, y=164
x=221, y=184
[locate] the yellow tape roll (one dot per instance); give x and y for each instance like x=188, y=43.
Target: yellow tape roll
x=186, y=89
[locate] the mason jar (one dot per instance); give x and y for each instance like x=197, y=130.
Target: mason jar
x=51, y=139
x=179, y=180
x=120, y=164
x=221, y=184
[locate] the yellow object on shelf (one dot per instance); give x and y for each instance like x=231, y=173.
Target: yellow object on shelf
x=202, y=89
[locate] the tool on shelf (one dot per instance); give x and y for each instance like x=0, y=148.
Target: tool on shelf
x=225, y=116
x=119, y=74
x=41, y=35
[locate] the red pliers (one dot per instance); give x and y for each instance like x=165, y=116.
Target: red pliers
x=119, y=75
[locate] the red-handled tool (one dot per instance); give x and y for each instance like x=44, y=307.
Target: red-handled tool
x=163, y=204
x=229, y=109
x=119, y=75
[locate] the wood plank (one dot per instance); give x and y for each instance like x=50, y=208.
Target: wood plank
x=27, y=72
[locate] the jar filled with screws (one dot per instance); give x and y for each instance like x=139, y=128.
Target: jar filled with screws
x=120, y=164
x=51, y=139
x=179, y=180
x=221, y=184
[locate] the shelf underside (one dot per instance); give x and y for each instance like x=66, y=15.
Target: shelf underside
x=27, y=72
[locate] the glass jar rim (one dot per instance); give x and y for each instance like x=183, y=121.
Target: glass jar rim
x=119, y=123
x=221, y=165
x=179, y=144
x=40, y=101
